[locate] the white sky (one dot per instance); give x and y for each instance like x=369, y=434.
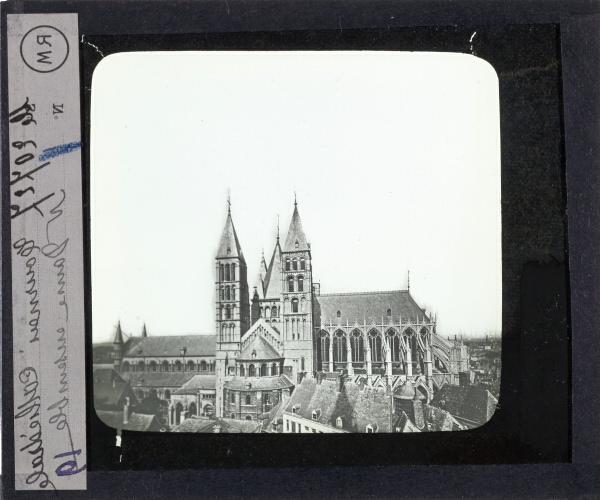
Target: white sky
x=395, y=159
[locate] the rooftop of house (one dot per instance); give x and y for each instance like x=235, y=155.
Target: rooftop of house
x=226, y=426
x=171, y=346
x=258, y=383
x=471, y=403
x=137, y=422
x=357, y=406
x=157, y=379
x=196, y=383
x=258, y=350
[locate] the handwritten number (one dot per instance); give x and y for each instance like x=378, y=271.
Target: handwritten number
x=21, y=144
x=24, y=158
x=21, y=192
x=23, y=114
x=69, y=467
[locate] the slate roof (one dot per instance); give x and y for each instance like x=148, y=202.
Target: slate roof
x=264, y=351
x=196, y=383
x=108, y=397
x=157, y=379
x=137, y=422
x=369, y=307
x=295, y=233
x=229, y=240
x=272, y=281
x=105, y=374
x=258, y=383
x=161, y=346
x=475, y=404
x=274, y=416
x=357, y=407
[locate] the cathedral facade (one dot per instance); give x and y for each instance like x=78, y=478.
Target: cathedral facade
x=267, y=342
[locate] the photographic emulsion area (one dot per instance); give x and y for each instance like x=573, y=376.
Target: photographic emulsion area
x=295, y=242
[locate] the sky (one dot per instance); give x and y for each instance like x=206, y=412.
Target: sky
x=394, y=159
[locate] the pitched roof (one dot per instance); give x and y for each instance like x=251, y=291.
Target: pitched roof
x=137, y=422
x=157, y=379
x=118, y=334
x=227, y=425
x=258, y=383
x=295, y=234
x=369, y=306
x=164, y=345
x=196, y=383
x=272, y=281
x=358, y=407
x=258, y=350
x=475, y=404
x=404, y=424
x=108, y=397
x=230, y=245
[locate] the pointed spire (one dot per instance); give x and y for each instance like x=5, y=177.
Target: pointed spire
x=296, y=239
x=278, y=229
x=144, y=333
x=230, y=245
x=118, y=335
x=408, y=280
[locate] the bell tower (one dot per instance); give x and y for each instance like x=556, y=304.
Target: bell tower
x=232, y=305
x=296, y=286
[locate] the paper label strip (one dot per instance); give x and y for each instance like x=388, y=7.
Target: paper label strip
x=47, y=251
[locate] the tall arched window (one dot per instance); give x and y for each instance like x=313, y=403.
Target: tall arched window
x=167, y=394
x=295, y=265
x=203, y=366
x=141, y=366
x=126, y=366
x=287, y=264
x=324, y=347
x=274, y=369
x=251, y=371
x=357, y=346
x=274, y=312
x=396, y=350
x=153, y=366
x=227, y=293
x=177, y=366
x=165, y=366
x=267, y=312
x=260, y=312
x=222, y=295
x=232, y=272
x=233, y=293
x=302, y=264
x=248, y=401
x=294, y=305
x=375, y=344
x=302, y=364
x=339, y=347
x=242, y=371
x=190, y=366
x=300, y=283
x=221, y=275
x=263, y=370
x=290, y=283
x=227, y=312
x=227, y=272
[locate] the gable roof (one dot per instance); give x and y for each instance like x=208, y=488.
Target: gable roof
x=229, y=241
x=471, y=403
x=369, y=307
x=358, y=407
x=196, y=383
x=272, y=281
x=258, y=350
x=164, y=345
x=295, y=234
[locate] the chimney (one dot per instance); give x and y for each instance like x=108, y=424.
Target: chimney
x=126, y=411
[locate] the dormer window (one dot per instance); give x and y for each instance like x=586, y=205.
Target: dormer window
x=295, y=409
x=297, y=244
x=389, y=313
x=228, y=250
x=338, y=422
x=316, y=414
x=339, y=314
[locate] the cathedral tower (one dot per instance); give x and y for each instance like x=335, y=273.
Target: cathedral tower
x=232, y=305
x=296, y=286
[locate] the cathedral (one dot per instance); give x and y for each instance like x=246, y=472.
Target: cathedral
x=285, y=330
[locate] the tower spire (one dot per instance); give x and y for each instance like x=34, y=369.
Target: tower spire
x=277, y=228
x=228, y=204
x=408, y=280
x=295, y=200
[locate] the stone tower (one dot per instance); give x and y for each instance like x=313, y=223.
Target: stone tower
x=118, y=349
x=232, y=306
x=297, y=311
